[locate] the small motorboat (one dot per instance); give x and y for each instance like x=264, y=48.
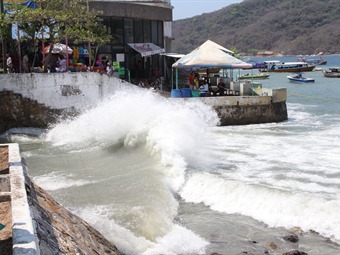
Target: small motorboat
x=334, y=72
x=254, y=76
x=299, y=78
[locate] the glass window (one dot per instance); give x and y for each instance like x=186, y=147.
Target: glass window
x=106, y=22
x=160, y=34
x=128, y=31
x=147, y=31
x=154, y=32
x=117, y=30
x=139, y=31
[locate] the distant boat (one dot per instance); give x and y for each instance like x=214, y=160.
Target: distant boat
x=334, y=72
x=288, y=67
x=253, y=76
x=313, y=61
x=299, y=78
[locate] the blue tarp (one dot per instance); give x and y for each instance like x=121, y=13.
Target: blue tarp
x=29, y=4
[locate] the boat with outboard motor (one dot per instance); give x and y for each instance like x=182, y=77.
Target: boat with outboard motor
x=297, y=77
x=333, y=72
x=313, y=61
x=250, y=76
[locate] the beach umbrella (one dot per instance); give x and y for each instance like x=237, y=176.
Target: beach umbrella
x=58, y=48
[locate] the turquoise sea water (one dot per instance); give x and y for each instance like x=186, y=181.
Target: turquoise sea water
x=158, y=177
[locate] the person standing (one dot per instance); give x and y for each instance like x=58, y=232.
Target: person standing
x=50, y=63
x=9, y=63
x=109, y=68
x=191, y=80
x=26, y=63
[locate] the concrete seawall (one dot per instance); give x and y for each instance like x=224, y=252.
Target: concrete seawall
x=39, y=100
x=34, y=223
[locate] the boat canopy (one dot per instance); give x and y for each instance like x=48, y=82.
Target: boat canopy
x=210, y=55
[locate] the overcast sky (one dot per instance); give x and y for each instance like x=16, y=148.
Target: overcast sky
x=189, y=8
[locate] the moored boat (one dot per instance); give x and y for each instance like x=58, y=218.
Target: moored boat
x=333, y=72
x=313, y=61
x=253, y=76
x=299, y=78
x=290, y=67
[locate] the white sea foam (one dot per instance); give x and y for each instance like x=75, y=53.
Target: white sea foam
x=55, y=181
x=174, y=130
x=274, y=207
x=169, y=128
x=178, y=240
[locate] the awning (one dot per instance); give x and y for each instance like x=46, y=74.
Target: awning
x=146, y=49
x=173, y=55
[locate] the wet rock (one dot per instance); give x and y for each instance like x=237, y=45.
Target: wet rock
x=271, y=246
x=295, y=252
x=291, y=238
x=297, y=231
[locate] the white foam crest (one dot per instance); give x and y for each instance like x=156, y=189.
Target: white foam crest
x=178, y=240
x=172, y=128
x=56, y=181
x=276, y=208
x=254, y=155
x=122, y=238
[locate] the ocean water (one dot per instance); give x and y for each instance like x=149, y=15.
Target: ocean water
x=156, y=176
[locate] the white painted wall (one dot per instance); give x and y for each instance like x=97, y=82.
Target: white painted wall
x=63, y=90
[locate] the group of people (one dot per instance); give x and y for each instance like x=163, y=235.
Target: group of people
x=55, y=63
x=106, y=63
x=204, y=86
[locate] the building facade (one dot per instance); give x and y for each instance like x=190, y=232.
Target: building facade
x=140, y=30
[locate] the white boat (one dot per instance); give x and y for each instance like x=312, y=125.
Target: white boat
x=290, y=67
x=299, y=78
x=253, y=76
x=313, y=61
x=333, y=72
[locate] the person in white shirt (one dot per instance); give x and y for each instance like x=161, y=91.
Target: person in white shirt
x=62, y=65
x=204, y=88
x=109, y=68
x=9, y=63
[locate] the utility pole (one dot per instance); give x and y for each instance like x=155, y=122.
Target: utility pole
x=89, y=42
x=3, y=40
x=19, y=41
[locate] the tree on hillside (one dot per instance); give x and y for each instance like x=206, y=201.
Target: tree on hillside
x=61, y=20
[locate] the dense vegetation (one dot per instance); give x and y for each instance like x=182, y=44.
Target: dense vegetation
x=286, y=27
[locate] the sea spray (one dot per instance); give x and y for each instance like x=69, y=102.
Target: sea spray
x=174, y=130
x=178, y=240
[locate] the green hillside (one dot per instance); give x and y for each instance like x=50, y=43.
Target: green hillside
x=287, y=27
